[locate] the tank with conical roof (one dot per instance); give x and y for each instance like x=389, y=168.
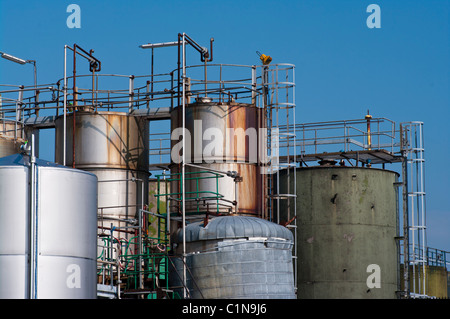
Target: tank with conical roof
x=233, y=257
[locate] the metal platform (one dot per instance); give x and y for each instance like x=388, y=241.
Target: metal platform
x=368, y=156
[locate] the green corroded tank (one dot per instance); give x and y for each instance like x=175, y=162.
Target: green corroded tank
x=347, y=224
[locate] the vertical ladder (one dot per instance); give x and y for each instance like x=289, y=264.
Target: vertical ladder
x=415, y=258
x=279, y=105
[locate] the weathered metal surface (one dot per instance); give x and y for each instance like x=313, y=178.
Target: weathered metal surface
x=66, y=239
x=9, y=146
x=104, y=139
x=11, y=129
x=113, y=146
x=11, y=137
x=233, y=121
x=237, y=257
x=223, y=137
x=448, y=284
x=347, y=220
x=233, y=227
x=120, y=194
x=436, y=281
x=248, y=190
x=154, y=113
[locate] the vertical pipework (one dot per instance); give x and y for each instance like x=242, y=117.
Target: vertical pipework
x=74, y=75
x=65, y=104
x=406, y=260
x=93, y=88
x=183, y=170
x=95, y=65
x=179, y=68
x=369, y=136
x=253, y=85
x=130, y=93
x=33, y=224
x=152, y=72
x=74, y=102
x=206, y=76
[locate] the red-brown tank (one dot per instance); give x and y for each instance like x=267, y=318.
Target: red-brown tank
x=225, y=138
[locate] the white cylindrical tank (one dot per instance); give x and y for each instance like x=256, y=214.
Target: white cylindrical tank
x=64, y=241
x=114, y=147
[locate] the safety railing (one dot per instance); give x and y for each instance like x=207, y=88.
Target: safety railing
x=346, y=135
x=141, y=260
x=317, y=138
x=433, y=256
x=115, y=92
x=437, y=257
x=198, y=201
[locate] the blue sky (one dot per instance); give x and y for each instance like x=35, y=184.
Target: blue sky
x=343, y=68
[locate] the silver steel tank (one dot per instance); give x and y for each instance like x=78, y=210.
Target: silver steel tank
x=65, y=244
x=236, y=148
x=347, y=224
x=114, y=147
x=234, y=257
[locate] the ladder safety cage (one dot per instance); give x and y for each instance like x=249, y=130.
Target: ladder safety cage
x=415, y=239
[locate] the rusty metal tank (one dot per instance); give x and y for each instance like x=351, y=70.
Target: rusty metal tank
x=220, y=138
x=11, y=137
x=113, y=146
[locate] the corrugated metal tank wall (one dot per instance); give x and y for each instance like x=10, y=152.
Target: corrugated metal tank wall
x=347, y=219
x=235, y=257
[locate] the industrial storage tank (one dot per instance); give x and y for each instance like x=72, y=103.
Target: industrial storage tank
x=436, y=281
x=221, y=137
x=347, y=224
x=48, y=233
x=11, y=137
x=233, y=257
x=114, y=147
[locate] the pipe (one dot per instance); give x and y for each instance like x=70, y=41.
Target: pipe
x=183, y=167
x=167, y=210
x=141, y=279
x=233, y=174
x=94, y=65
x=33, y=225
x=208, y=56
x=182, y=40
x=74, y=103
x=65, y=105
x=158, y=45
x=152, y=71
x=369, y=136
